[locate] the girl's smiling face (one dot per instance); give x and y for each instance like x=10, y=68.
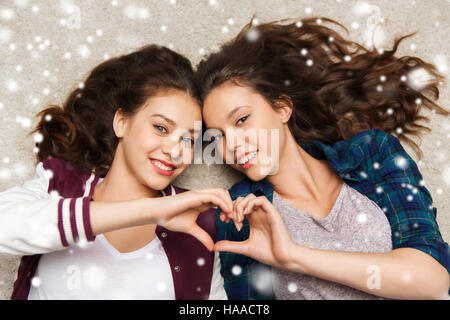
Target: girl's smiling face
x=157, y=142
x=250, y=132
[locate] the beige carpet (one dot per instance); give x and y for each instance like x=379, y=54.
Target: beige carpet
x=47, y=48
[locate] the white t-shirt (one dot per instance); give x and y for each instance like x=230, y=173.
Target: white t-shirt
x=98, y=271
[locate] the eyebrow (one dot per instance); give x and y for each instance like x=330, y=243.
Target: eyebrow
x=232, y=112
x=173, y=123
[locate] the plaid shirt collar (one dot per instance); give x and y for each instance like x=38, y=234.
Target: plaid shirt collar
x=344, y=158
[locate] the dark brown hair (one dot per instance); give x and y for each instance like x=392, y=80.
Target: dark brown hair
x=337, y=87
x=81, y=132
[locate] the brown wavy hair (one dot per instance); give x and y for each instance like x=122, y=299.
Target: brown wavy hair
x=81, y=131
x=337, y=87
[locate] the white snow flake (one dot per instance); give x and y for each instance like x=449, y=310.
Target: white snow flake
x=261, y=280
x=134, y=12
x=201, y=262
x=7, y=14
x=36, y=282
x=236, y=270
x=12, y=85
x=84, y=51
x=94, y=277
x=292, y=287
x=446, y=175
x=362, y=218
x=419, y=78
x=401, y=162
x=252, y=35
x=161, y=286
x=5, y=35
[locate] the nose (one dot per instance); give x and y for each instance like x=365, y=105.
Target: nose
x=233, y=141
x=172, y=149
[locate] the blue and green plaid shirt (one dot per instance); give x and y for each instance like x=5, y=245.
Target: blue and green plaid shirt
x=376, y=165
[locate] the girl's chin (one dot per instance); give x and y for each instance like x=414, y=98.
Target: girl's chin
x=160, y=182
x=158, y=185
x=255, y=172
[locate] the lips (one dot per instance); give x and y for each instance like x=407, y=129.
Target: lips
x=247, y=160
x=162, y=167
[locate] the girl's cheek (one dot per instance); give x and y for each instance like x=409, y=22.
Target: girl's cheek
x=152, y=141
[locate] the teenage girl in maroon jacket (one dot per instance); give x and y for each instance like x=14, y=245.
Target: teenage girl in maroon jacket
x=132, y=125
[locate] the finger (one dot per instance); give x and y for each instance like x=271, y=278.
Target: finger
x=211, y=200
x=207, y=206
x=236, y=202
x=243, y=205
x=202, y=236
x=240, y=207
x=227, y=196
x=236, y=208
x=265, y=204
x=252, y=205
x=239, y=247
x=223, y=194
x=236, y=219
x=261, y=202
x=223, y=217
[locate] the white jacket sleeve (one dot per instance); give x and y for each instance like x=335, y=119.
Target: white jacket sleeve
x=217, y=291
x=32, y=221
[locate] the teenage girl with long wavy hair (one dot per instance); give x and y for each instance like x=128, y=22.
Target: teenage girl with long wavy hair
x=101, y=219
x=343, y=212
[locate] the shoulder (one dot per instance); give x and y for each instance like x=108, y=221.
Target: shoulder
x=62, y=167
x=374, y=149
x=377, y=143
x=383, y=159
x=351, y=156
x=372, y=140
x=369, y=144
x=65, y=178
x=392, y=159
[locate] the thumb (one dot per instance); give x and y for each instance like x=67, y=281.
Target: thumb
x=239, y=247
x=202, y=236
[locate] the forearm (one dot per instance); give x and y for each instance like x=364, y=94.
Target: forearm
x=45, y=225
x=400, y=274
x=109, y=216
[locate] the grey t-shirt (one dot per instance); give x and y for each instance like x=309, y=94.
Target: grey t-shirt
x=355, y=224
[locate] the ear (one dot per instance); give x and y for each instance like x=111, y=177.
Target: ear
x=119, y=123
x=283, y=106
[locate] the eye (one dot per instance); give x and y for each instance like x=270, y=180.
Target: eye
x=187, y=140
x=218, y=136
x=160, y=128
x=242, y=120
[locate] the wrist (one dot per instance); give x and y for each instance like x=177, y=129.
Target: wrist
x=298, y=257
x=149, y=210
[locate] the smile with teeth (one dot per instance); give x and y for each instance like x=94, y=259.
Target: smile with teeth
x=247, y=158
x=161, y=166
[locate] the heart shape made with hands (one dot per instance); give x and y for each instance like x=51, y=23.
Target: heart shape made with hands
x=269, y=240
